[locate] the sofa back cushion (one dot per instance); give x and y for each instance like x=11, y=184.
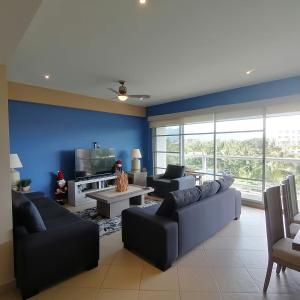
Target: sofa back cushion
x=18, y=199
x=174, y=171
x=209, y=188
x=178, y=199
x=29, y=216
x=225, y=183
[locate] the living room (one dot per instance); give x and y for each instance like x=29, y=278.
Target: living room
x=144, y=148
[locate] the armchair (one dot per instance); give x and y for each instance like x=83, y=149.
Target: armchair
x=173, y=179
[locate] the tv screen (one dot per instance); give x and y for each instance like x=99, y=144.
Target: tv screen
x=93, y=162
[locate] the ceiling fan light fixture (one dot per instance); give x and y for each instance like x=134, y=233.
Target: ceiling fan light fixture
x=122, y=97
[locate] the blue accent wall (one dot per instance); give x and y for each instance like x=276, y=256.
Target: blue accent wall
x=45, y=136
x=268, y=90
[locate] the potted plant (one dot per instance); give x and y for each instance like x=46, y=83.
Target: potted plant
x=24, y=185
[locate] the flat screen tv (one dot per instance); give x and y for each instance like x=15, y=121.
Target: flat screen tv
x=93, y=162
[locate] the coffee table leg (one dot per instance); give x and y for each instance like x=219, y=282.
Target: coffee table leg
x=137, y=200
x=110, y=210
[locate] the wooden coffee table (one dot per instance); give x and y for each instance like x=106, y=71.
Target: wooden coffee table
x=110, y=203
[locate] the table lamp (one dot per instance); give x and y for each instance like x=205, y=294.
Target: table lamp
x=136, y=163
x=15, y=163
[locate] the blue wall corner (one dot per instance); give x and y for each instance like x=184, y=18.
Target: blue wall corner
x=262, y=91
x=45, y=136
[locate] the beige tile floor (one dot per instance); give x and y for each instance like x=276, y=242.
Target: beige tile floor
x=230, y=265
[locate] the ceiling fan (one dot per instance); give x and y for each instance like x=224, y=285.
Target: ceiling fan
x=122, y=93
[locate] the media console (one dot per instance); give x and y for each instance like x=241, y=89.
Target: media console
x=77, y=189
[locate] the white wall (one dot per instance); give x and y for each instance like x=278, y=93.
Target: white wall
x=6, y=245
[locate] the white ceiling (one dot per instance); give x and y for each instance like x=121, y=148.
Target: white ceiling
x=15, y=17
x=170, y=49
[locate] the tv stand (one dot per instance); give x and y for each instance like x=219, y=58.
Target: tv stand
x=77, y=190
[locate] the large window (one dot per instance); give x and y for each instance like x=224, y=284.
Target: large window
x=282, y=148
x=258, y=150
x=198, y=146
x=239, y=153
x=167, y=144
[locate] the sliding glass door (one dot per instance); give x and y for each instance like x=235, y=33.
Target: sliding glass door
x=239, y=153
x=198, y=148
x=282, y=148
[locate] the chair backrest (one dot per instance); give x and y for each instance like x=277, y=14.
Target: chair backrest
x=274, y=220
x=293, y=194
x=174, y=171
x=286, y=206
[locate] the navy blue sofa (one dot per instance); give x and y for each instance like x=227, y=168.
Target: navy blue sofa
x=162, y=239
x=62, y=246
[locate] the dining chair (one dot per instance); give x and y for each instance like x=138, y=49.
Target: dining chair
x=294, y=209
x=291, y=228
x=279, y=248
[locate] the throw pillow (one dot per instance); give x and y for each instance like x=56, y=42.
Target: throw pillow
x=225, y=183
x=30, y=217
x=209, y=188
x=173, y=172
x=178, y=199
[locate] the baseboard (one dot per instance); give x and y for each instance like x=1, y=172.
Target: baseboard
x=7, y=287
x=252, y=204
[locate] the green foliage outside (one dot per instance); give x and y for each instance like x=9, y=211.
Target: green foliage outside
x=251, y=169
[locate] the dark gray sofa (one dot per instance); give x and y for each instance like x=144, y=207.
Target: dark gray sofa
x=163, y=239
x=69, y=245
x=173, y=179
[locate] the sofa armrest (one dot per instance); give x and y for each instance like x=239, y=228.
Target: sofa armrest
x=45, y=256
x=183, y=183
x=152, y=236
x=151, y=179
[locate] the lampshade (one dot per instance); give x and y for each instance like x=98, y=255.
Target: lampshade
x=15, y=161
x=136, y=153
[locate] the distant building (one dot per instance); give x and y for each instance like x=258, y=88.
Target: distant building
x=288, y=137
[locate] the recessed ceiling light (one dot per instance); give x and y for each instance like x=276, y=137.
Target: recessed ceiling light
x=250, y=71
x=143, y=2
x=47, y=76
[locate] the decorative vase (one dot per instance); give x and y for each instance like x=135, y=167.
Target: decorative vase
x=26, y=188
x=122, y=182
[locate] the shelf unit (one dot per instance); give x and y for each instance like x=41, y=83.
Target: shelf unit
x=77, y=190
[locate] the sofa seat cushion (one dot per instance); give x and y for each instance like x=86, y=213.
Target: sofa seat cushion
x=178, y=199
x=61, y=221
x=208, y=189
x=30, y=217
x=225, y=183
x=283, y=250
x=173, y=172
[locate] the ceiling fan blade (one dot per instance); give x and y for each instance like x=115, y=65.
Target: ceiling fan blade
x=114, y=91
x=140, y=96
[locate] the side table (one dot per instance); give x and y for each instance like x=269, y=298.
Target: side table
x=137, y=178
x=197, y=175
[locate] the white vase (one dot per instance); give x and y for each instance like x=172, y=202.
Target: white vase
x=26, y=188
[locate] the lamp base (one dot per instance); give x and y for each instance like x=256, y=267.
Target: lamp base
x=14, y=179
x=135, y=165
